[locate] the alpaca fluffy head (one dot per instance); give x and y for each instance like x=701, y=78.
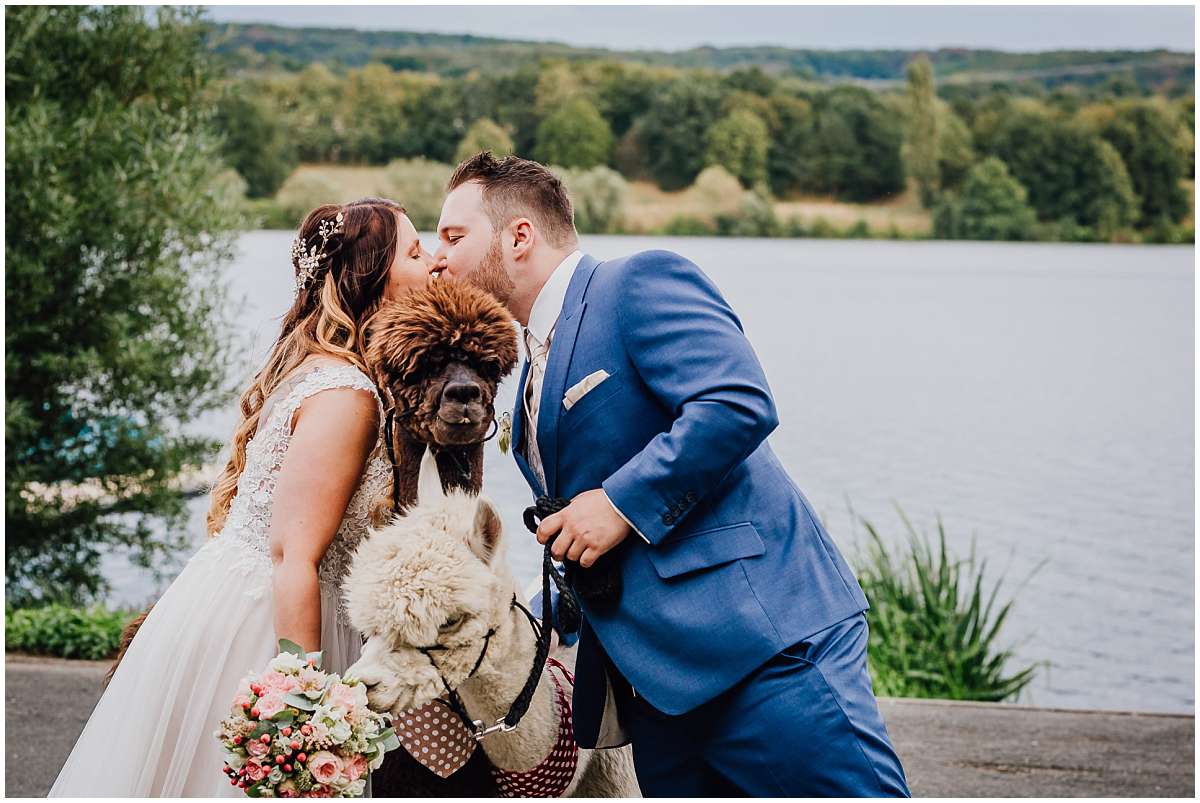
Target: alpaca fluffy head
x=432, y=578
x=439, y=354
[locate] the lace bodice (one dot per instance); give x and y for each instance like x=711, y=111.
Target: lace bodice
x=249, y=516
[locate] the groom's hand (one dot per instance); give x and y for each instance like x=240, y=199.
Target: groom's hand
x=585, y=529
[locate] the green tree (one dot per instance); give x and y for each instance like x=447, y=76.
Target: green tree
x=574, y=135
x=671, y=131
x=855, y=153
x=257, y=143
x=484, y=135
x=788, y=163
x=1151, y=143
x=738, y=142
x=956, y=151
x=1072, y=175
x=921, y=141
x=116, y=233
x=992, y=206
x=623, y=91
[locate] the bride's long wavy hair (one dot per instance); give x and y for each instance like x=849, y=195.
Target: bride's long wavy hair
x=328, y=317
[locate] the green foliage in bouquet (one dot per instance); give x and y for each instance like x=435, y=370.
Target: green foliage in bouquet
x=934, y=624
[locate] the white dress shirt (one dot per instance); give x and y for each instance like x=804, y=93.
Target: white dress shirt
x=543, y=317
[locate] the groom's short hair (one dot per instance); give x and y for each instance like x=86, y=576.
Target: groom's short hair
x=514, y=187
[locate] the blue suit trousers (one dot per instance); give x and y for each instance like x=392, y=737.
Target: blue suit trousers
x=805, y=724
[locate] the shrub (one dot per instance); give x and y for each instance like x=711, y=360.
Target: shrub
x=716, y=186
x=755, y=217
x=992, y=206
x=934, y=627
x=598, y=196
x=419, y=185
x=89, y=633
x=688, y=226
x=298, y=195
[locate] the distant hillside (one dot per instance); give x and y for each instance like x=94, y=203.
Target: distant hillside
x=258, y=47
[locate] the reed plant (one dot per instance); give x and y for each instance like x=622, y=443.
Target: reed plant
x=936, y=622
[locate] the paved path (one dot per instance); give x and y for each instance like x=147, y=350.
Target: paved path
x=949, y=749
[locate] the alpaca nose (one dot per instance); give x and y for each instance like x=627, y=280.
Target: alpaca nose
x=462, y=392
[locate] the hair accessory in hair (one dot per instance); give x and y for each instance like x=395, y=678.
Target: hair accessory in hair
x=308, y=261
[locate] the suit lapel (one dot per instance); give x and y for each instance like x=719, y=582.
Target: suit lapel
x=562, y=346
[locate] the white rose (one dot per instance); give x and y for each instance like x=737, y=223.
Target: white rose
x=340, y=731
x=287, y=662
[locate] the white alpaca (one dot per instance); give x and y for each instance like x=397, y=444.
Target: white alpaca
x=437, y=576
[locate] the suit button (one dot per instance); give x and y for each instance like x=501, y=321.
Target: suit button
x=668, y=519
x=691, y=496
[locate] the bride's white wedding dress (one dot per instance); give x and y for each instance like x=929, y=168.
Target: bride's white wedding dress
x=151, y=734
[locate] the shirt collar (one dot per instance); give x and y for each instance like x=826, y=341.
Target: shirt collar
x=549, y=302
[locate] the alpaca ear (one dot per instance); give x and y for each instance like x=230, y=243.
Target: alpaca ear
x=429, y=481
x=485, y=536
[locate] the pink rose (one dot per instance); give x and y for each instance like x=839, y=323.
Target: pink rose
x=255, y=771
x=257, y=749
x=279, y=682
x=355, y=768
x=269, y=705
x=324, y=766
x=342, y=696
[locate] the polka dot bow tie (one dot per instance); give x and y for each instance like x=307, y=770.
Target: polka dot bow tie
x=436, y=738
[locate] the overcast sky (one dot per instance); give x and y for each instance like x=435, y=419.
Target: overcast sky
x=833, y=27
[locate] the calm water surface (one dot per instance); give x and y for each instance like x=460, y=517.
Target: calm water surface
x=1038, y=398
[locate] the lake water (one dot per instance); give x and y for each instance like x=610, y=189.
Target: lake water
x=1039, y=398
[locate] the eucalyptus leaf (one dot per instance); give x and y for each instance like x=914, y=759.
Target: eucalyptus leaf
x=292, y=647
x=299, y=701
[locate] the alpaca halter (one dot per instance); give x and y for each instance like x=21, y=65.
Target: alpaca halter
x=508, y=722
x=308, y=262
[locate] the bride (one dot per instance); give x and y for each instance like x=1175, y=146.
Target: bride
x=306, y=475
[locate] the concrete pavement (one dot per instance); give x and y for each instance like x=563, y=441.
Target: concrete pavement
x=949, y=749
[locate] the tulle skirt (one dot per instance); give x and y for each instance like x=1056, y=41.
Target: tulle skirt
x=151, y=734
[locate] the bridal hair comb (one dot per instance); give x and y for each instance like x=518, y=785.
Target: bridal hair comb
x=307, y=262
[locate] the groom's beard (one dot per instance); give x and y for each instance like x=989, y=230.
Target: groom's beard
x=490, y=275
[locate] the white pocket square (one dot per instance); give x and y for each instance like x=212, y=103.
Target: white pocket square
x=583, y=387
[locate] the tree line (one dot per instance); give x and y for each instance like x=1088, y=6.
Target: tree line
x=1079, y=163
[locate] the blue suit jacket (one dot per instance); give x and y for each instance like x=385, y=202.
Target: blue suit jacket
x=737, y=567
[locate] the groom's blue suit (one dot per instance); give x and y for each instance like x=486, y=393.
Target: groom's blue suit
x=735, y=659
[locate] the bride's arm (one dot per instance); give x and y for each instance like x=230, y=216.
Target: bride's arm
x=333, y=434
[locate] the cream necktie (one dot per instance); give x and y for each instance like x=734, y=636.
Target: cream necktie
x=538, y=352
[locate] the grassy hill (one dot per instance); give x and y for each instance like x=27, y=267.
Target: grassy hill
x=261, y=46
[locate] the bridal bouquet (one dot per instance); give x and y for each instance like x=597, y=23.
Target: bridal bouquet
x=296, y=731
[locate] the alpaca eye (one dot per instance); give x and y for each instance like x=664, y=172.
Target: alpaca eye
x=451, y=623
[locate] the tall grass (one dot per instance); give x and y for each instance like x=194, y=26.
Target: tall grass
x=936, y=622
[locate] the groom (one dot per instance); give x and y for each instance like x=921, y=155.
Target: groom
x=735, y=660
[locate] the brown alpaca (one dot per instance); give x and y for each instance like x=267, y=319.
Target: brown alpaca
x=437, y=357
